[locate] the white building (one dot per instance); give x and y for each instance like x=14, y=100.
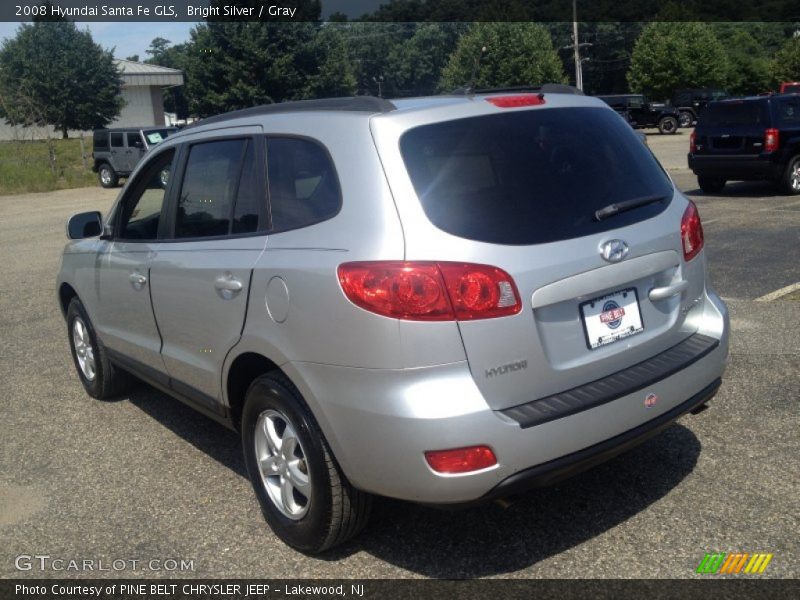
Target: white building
x=142, y=87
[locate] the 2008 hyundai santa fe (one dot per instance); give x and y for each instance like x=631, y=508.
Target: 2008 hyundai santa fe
x=444, y=300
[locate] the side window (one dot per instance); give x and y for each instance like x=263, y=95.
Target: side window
x=117, y=141
x=135, y=140
x=221, y=193
x=100, y=140
x=303, y=188
x=635, y=102
x=141, y=211
x=790, y=110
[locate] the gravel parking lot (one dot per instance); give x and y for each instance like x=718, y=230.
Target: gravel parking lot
x=145, y=478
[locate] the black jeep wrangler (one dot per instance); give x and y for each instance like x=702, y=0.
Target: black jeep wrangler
x=748, y=139
x=640, y=113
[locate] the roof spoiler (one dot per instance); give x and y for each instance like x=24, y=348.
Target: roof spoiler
x=545, y=88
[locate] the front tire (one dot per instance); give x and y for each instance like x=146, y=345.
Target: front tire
x=711, y=185
x=668, y=125
x=108, y=177
x=790, y=182
x=99, y=377
x=304, y=496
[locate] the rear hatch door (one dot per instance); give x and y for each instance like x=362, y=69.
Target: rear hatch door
x=733, y=127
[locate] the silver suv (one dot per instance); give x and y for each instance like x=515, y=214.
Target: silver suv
x=445, y=300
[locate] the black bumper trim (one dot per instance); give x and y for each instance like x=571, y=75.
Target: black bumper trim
x=614, y=386
x=572, y=464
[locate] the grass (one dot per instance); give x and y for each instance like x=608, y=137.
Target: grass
x=25, y=166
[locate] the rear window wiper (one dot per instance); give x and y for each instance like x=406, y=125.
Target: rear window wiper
x=618, y=207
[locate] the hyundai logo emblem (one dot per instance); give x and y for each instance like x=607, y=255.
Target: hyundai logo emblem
x=614, y=250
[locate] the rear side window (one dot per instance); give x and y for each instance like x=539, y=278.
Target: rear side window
x=729, y=114
x=117, y=141
x=303, y=187
x=212, y=202
x=531, y=177
x=100, y=140
x=789, y=111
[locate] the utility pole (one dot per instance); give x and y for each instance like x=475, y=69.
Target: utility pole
x=576, y=46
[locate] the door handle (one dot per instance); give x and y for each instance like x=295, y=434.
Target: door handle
x=228, y=284
x=662, y=293
x=137, y=279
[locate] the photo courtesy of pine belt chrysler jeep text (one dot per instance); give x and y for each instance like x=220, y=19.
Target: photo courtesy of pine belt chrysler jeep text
x=445, y=300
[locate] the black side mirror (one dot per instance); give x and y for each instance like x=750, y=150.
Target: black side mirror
x=85, y=225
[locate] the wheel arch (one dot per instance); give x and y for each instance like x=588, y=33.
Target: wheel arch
x=65, y=295
x=243, y=370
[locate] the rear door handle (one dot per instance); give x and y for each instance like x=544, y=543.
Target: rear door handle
x=137, y=279
x=662, y=293
x=228, y=284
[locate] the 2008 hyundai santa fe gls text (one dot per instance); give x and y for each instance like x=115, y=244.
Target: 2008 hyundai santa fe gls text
x=444, y=300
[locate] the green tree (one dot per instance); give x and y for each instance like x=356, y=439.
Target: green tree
x=749, y=66
x=672, y=55
x=53, y=74
x=786, y=63
x=157, y=49
x=515, y=54
x=415, y=65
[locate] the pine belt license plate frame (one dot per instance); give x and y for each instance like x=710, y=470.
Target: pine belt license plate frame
x=603, y=324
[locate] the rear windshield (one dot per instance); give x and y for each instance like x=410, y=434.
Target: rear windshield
x=726, y=114
x=531, y=177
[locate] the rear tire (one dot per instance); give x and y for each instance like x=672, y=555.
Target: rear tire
x=790, y=182
x=711, y=185
x=685, y=118
x=304, y=496
x=668, y=125
x=108, y=177
x=99, y=377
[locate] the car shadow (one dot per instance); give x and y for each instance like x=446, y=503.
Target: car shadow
x=485, y=540
x=740, y=189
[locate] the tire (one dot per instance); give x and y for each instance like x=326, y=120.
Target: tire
x=108, y=177
x=711, y=185
x=685, y=118
x=790, y=182
x=99, y=377
x=668, y=125
x=306, y=500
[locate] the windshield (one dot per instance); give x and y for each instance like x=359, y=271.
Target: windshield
x=154, y=136
x=534, y=176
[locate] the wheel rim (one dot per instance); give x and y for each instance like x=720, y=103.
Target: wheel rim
x=794, y=178
x=686, y=120
x=282, y=464
x=667, y=126
x=105, y=176
x=84, y=350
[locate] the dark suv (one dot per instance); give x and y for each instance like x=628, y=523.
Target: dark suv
x=748, y=139
x=117, y=151
x=691, y=102
x=640, y=113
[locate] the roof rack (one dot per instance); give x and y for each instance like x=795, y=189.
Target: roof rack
x=545, y=88
x=355, y=104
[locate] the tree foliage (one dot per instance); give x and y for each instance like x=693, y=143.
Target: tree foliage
x=515, y=54
x=748, y=63
x=53, y=74
x=672, y=55
x=786, y=63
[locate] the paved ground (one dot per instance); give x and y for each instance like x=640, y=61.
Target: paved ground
x=146, y=478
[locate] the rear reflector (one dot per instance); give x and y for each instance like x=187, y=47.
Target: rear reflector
x=516, y=101
x=691, y=232
x=693, y=142
x=461, y=460
x=430, y=291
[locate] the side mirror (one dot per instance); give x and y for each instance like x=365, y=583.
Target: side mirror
x=85, y=225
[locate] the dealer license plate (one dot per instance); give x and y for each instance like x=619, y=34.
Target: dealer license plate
x=611, y=318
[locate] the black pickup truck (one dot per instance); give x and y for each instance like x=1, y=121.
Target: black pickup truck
x=748, y=139
x=640, y=113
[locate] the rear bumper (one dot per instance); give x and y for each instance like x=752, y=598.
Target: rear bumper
x=379, y=423
x=736, y=168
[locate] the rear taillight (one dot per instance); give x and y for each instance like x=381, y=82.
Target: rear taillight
x=693, y=142
x=691, y=232
x=461, y=460
x=430, y=291
x=771, y=140
x=516, y=101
